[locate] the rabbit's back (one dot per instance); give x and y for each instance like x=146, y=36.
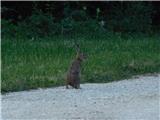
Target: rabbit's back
x=73, y=78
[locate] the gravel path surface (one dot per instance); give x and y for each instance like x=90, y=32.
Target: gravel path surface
x=134, y=99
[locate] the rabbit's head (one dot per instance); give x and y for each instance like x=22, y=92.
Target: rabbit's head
x=81, y=56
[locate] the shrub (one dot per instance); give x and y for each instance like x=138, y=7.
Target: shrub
x=38, y=24
x=130, y=17
x=8, y=29
x=78, y=22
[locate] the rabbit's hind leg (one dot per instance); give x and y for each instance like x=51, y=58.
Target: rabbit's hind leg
x=67, y=84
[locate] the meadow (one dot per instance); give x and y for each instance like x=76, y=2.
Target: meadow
x=43, y=62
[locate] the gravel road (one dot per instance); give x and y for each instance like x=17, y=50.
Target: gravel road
x=133, y=99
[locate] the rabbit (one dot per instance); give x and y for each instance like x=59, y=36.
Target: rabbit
x=73, y=75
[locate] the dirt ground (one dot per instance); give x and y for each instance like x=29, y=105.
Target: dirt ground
x=133, y=99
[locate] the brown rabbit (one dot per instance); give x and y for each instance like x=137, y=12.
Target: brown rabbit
x=73, y=76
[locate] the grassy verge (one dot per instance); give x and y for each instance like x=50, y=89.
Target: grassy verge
x=29, y=64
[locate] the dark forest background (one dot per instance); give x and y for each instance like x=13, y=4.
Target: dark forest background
x=54, y=18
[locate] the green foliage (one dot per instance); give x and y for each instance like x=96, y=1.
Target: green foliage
x=138, y=17
x=28, y=64
x=78, y=22
x=130, y=17
x=90, y=26
x=124, y=17
x=74, y=21
x=39, y=24
x=79, y=15
x=8, y=29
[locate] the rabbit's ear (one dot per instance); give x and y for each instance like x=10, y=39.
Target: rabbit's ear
x=77, y=48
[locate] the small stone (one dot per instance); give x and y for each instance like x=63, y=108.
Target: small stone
x=75, y=105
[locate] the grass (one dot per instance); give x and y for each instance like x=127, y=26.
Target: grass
x=30, y=64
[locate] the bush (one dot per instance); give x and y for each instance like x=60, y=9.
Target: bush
x=43, y=25
x=78, y=22
x=130, y=17
x=123, y=17
x=8, y=29
x=38, y=24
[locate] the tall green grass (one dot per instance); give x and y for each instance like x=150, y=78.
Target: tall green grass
x=43, y=62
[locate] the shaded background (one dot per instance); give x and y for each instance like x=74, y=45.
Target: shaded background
x=70, y=17
x=25, y=9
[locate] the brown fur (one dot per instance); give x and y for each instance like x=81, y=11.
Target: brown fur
x=73, y=76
